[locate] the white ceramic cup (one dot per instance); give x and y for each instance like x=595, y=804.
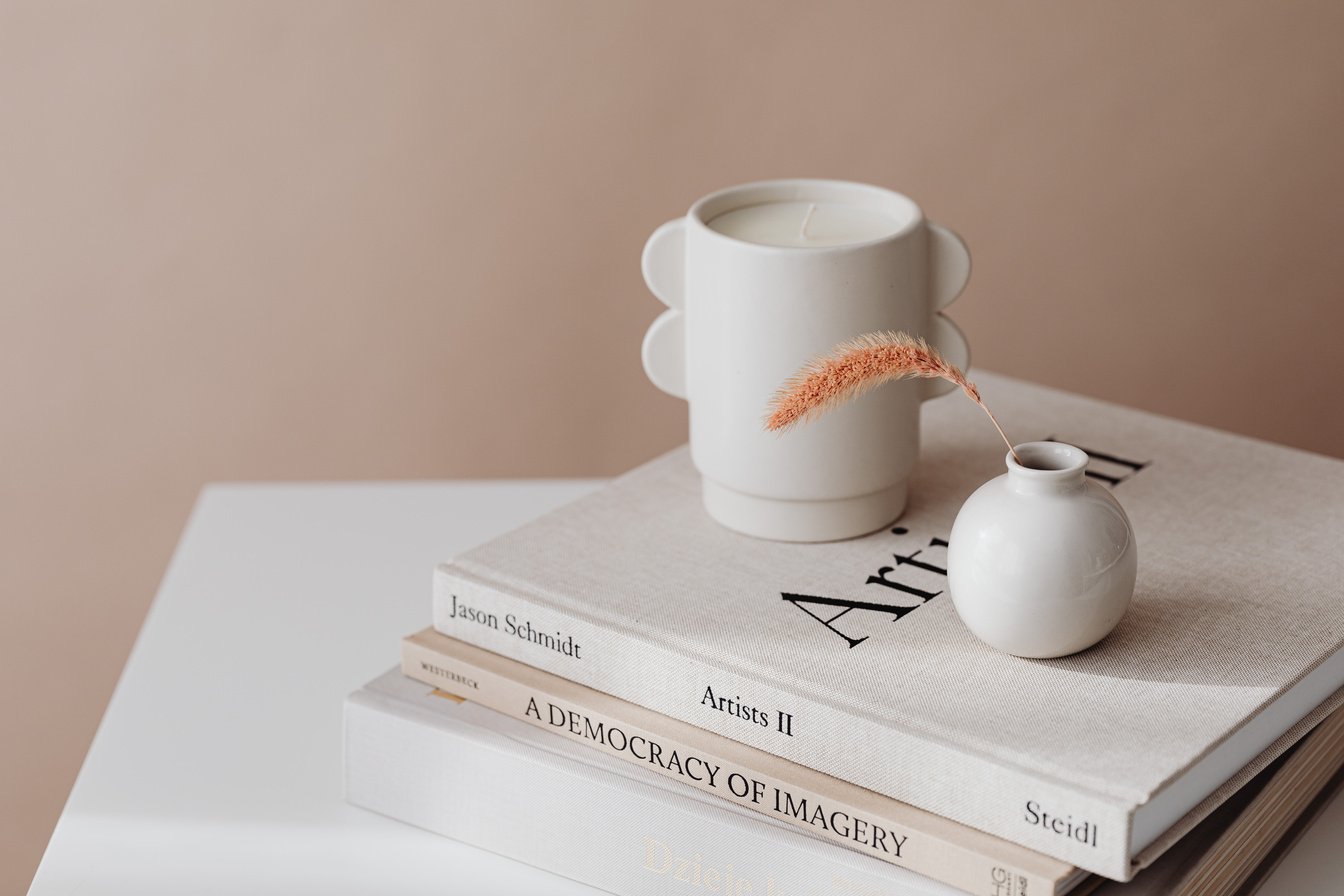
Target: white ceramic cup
x=744, y=316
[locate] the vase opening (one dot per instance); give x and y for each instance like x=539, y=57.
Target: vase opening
x=1047, y=460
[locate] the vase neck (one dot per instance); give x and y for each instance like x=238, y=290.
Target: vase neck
x=1046, y=468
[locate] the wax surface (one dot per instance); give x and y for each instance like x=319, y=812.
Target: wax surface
x=782, y=224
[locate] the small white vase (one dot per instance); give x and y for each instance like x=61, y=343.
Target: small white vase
x=1041, y=560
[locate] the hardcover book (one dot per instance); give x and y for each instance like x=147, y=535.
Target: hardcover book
x=420, y=755
x=826, y=807
x=849, y=658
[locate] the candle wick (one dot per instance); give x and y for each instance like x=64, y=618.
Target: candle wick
x=802, y=232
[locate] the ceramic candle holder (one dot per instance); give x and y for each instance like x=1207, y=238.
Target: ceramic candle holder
x=758, y=280
x=1041, y=561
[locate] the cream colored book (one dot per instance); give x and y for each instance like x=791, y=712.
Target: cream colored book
x=849, y=658
x=826, y=807
x=417, y=753
x=1232, y=851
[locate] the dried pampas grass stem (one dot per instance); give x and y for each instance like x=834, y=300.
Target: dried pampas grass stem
x=853, y=368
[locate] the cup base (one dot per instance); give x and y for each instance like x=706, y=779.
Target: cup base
x=803, y=521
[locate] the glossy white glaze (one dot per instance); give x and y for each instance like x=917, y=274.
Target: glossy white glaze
x=1041, y=560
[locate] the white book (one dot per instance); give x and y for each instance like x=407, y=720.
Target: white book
x=419, y=755
x=825, y=807
x=469, y=773
x=849, y=657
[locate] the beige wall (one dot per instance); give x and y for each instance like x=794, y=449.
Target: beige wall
x=383, y=240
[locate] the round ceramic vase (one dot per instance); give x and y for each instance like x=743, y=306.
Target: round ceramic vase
x=1041, y=561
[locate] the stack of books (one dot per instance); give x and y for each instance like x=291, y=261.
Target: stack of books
x=629, y=695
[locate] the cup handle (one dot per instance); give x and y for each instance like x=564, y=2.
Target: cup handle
x=664, y=349
x=949, y=266
x=948, y=339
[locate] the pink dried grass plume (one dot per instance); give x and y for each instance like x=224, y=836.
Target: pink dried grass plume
x=854, y=367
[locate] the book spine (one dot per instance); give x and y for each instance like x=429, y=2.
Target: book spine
x=608, y=831
x=897, y=840
x=1018, y=805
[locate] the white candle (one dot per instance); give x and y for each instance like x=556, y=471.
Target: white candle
x=804, y=224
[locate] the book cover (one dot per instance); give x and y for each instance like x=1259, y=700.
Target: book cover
x=825, y=807
x=422, y=756
x=1239, y=843
x=848, y=657
x=469, y=773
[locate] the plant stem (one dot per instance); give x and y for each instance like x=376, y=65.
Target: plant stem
x=1002, y=434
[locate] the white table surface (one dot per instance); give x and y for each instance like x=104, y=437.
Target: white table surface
x=217, y=766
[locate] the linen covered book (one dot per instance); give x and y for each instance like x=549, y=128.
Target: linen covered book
x=825, y=807
x=849, y=657
x=469, y=773
x=421, y=756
